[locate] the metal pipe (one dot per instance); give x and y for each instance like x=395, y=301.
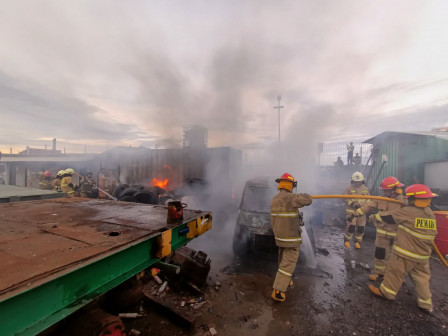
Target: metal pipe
x=380, y=198
x=168, y=267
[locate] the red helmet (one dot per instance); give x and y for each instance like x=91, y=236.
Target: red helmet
x=287, y=177
x=419, y=191
x=390, y=183
x=46, y=173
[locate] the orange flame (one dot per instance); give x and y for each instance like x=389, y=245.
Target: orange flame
x=160, y=183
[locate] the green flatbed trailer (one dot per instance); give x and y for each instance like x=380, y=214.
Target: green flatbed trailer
x=58, y=255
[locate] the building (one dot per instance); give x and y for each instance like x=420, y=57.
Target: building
x=404, y=155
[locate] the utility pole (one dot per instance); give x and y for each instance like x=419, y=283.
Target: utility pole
x=278, y=107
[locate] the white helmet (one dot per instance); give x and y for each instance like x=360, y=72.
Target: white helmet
x=357, y=177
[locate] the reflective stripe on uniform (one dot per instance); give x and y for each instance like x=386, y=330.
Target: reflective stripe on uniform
x=348, y=210
x=387, y=289
x=382, y=268
x=386, y=233
x=360, y=211
x=348, y=237
x=285, y=214
x=415, y=234
x=429, y=301
x=378, y=217
x=409, y=253
x=284, y=272
x=289, y=239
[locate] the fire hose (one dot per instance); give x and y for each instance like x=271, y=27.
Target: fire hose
x=387, y=199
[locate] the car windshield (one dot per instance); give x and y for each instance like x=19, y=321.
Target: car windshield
x=257, y=198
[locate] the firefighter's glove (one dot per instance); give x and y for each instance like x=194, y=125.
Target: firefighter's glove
x=350, y=217
x=70, y=185
x=356, y=205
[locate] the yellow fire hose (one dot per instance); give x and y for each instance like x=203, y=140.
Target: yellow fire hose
x=440, y=254
x=387, y=199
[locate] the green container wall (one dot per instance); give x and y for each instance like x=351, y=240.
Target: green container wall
x=406, y=154
x=417, y=151
x=390, y=147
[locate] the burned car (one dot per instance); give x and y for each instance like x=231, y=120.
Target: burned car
x=253, y=231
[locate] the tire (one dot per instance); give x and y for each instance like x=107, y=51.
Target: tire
x=146, y=197
x=127, y=199
x=118, y=190
x=130, y=191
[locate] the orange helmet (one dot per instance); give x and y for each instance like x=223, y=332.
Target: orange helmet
x=419, y=191
x=46, y=173
x=390, y=183
x=287, y=177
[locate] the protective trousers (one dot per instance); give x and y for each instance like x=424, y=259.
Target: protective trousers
x=396, y=272
x=355, y=227
x=383, y=246
x=287, y=260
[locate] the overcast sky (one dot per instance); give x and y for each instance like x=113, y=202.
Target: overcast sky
x=134, y=72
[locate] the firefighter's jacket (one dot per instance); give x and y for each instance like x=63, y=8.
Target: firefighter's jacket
x=56, y=184
x=67, y=185
x=417, y=229
x=44, y=183
x=285, y=218
x=351, y=190
x=382, y=208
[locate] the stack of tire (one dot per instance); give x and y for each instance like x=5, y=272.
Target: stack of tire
x=138, y=194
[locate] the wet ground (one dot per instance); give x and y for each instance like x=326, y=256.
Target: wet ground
x=330, y=299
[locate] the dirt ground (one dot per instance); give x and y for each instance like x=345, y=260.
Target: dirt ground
x=331, y=299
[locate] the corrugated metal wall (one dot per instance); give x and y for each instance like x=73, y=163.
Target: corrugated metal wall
x=406, y=154
x=390, y=148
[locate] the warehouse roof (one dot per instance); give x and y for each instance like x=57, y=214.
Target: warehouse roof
x=386, y=135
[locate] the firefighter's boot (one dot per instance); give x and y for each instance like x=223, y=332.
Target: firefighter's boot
x=376, y=291
x=278, y=296
x=347, y=244
x=375, y=276
x=357, y=245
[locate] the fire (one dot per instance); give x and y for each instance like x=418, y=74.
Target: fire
x=160, y=183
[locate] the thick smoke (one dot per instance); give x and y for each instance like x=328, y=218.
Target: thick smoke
x=136, y=72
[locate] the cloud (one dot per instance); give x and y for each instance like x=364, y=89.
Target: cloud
x=32, y=111
x=136, y=72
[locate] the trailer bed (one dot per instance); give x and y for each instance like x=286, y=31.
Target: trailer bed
x=86, y=246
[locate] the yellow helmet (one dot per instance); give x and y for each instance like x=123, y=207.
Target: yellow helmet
x=69, y=171
x=60, y=173
x=357, y=177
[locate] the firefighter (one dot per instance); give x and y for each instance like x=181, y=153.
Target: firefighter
x=67, y=183
x=385, y=233
x=45, y=180
x=56, y=184
x=412, y=248
x=87, y=187
x=286, y=223
x=355, y=225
